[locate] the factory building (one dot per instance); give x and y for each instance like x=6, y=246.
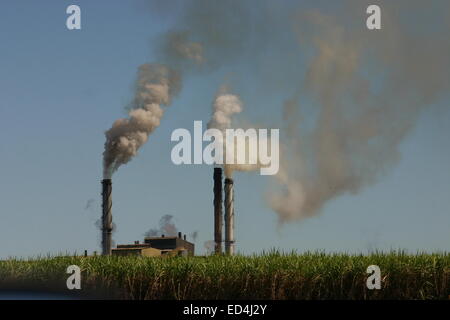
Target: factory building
x=157, y=246
x=224, y=213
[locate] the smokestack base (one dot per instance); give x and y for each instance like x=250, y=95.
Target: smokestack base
x=229, y=216
x=107, y=226
x=218, y=216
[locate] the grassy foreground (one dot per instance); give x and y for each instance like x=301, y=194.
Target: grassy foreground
x=266, y=276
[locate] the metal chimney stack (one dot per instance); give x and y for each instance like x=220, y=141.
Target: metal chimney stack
x=229, y=216
x=106, y=217
x=218, y=210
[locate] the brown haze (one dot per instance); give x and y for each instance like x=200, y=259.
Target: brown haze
x=358, y=129
x=348, y=109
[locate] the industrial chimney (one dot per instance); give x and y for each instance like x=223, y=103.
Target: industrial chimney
x=106, y=217
x=218, y=210
x=229, y=216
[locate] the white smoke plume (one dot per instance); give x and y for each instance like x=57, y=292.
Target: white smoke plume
x=225, y=106
x=155, y=86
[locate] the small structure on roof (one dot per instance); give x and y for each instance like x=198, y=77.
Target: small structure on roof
x=157, y=246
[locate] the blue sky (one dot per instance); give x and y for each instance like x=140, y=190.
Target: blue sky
x=61, y=89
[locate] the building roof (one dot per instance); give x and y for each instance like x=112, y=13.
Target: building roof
x=135, y=245
x=157, y=238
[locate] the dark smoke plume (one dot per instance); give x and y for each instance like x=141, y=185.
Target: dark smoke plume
x=166, y=227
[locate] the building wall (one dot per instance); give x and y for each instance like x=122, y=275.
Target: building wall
x=181, y=243
x=162, y=243
x=146, y=252
x=126, y=252
x=150, y=252
x=170, y=243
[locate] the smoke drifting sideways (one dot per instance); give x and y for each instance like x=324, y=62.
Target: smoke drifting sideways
x=348, y=95
x=370, y=89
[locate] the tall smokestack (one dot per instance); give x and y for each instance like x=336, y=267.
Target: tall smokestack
x=107, y=226
x=229, y=216
x=218, y=210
